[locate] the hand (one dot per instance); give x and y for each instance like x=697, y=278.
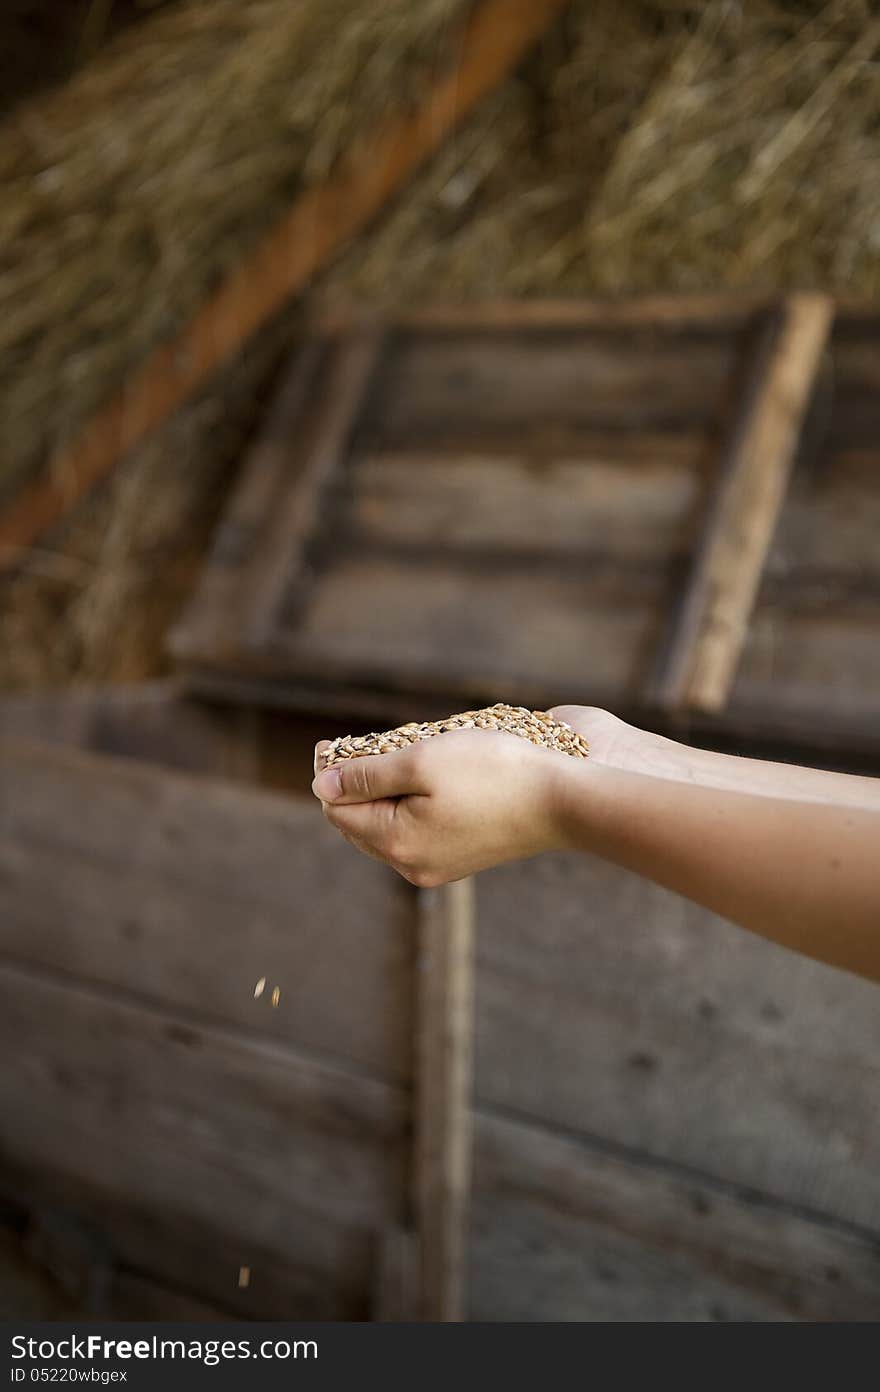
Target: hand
x=614, y=744
x=450, y=805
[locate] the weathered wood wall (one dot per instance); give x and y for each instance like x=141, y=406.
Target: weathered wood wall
x=673, y=1119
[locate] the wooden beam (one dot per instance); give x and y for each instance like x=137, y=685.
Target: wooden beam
x=321, y=220
x=700, y=664
x=718, y=313
x=443, y=1096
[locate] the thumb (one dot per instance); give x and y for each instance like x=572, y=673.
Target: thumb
x=366, y=779
x=575, y=716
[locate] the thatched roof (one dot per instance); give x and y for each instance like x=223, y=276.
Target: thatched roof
x=644, y=145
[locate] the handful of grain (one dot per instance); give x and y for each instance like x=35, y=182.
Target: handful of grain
x=536, y=726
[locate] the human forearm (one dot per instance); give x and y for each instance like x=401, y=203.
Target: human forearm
x=802, y=873
x=666, y=758
x=789, y=853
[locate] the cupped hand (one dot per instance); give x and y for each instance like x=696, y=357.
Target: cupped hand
x=614, y=744
x=468, y=799
x=448, y=806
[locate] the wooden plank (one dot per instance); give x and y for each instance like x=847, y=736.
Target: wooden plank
x=667, y=313
x=430, y=626
x=122, y=897
x=202, y=1155
x=633, y=499
x=443, y=1096
x=160, y=723
x=321, y=220
x=55, y=1265
x=441, y=389
x=568, y=1231
x=701, y=661
x=823, y=657
x=612, y=1009
x=830, y=522
x=194, y=1257
x=259, y=1148
x=152, y=721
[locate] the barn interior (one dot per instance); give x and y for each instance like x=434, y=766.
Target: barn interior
x=362, y=362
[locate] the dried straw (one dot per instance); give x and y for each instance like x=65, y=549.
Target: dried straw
x=691, y=147
x=650, y=145
x=127, y=194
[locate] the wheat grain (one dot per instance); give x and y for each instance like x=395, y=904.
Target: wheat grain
x=536, y=726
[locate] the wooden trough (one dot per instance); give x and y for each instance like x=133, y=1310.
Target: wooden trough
x=578, y=501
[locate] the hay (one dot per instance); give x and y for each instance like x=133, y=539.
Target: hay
x=94, y=603
x=645, y=146
x=42, y=42
x=716, y=146
x=129, y=193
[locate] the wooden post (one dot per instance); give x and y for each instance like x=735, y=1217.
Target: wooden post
x=444, y=1060
x=700, y=664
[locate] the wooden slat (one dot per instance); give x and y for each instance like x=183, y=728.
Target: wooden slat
x=321, y=220
x=823, y=655
x=443, y=1096
x=666, y=313
x=158, y=722
x=428, y=626
x=151, y=721
x=612, y=1009
x=438, y=390
x=568, y=1231
x=191, y=1155
x=196, y=1257
x=33, y=1286
x=631, y=499
x=700, y=665
x=125, y=895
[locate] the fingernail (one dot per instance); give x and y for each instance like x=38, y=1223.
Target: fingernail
x=328, y=785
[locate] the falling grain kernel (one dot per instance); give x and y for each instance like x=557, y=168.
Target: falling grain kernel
x=259, y=988
x=244, y=1277
x=276, y=995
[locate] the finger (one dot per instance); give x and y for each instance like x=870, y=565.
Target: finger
x=365, y=780
x=366, y=825
x=359, y=845
x=320, y=749
x=578, y=717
